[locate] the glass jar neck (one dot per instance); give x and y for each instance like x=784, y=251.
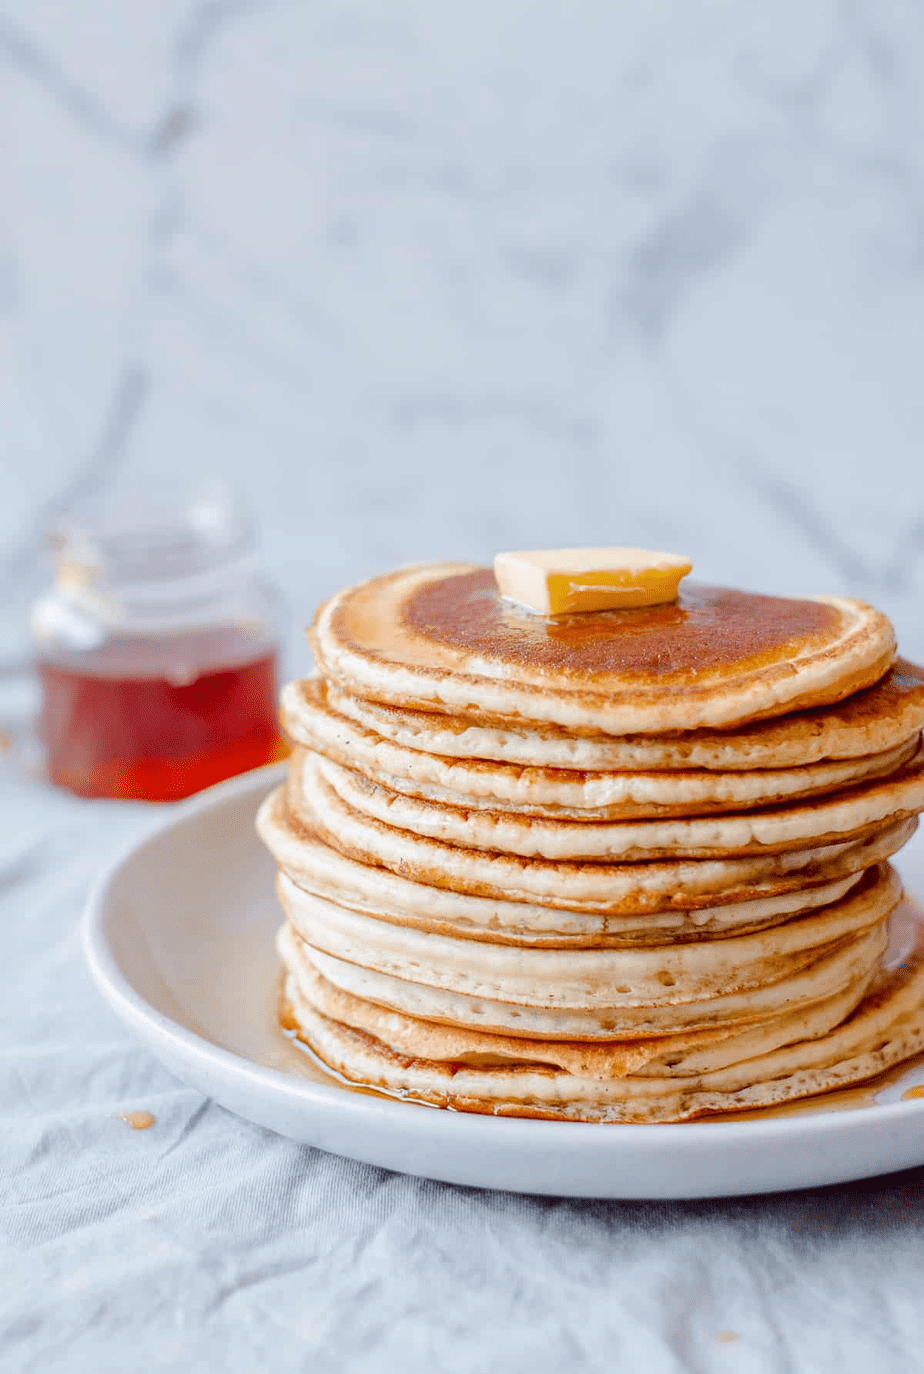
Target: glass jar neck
x=147, y=566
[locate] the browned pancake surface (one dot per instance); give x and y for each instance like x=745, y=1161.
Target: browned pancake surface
x=708, y=631
x=441, y=636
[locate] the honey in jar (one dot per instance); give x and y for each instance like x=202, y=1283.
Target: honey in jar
x=156, y=649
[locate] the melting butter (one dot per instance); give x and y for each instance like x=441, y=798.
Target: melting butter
x=565, y=581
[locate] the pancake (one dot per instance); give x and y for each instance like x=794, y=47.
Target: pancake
x=440, y=636
x=609, y=981
x=845, y=815
x=836, y=969
x=886, y=1027
x=881, y=718
x=319, y=870
x=622, y=865
x=559, y=793
x=602, y=887
x=670, y=1055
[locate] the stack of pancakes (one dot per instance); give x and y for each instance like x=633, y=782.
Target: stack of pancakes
x=624, y=865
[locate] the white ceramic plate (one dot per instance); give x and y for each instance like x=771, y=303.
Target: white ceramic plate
x=179, y=937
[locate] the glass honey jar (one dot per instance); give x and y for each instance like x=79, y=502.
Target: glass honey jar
x=156, y=647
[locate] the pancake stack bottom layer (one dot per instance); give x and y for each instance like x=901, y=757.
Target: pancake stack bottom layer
x=624, y=866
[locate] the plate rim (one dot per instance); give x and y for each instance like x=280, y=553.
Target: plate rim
x=660, y=1137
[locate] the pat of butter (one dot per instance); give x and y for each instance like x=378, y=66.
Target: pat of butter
x=561, y=581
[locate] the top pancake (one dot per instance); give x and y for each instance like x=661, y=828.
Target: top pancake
x=440, y=637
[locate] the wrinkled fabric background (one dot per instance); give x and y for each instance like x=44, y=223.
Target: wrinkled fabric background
x=429, y=281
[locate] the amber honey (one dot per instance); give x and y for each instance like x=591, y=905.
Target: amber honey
x=156, y=645
x=147, y=738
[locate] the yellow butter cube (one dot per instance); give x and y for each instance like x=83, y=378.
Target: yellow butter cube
x=562, y=581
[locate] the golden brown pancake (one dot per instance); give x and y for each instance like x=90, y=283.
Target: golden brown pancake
x=608, y=888
x=319, y=870
x=621, y=865
x=881, y=718
x=440, y=636
x=527, y=992
x=818, y=820
x=886, y=1027
x=561, y=793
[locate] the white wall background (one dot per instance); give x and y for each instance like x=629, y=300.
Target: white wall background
x=427, y=280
